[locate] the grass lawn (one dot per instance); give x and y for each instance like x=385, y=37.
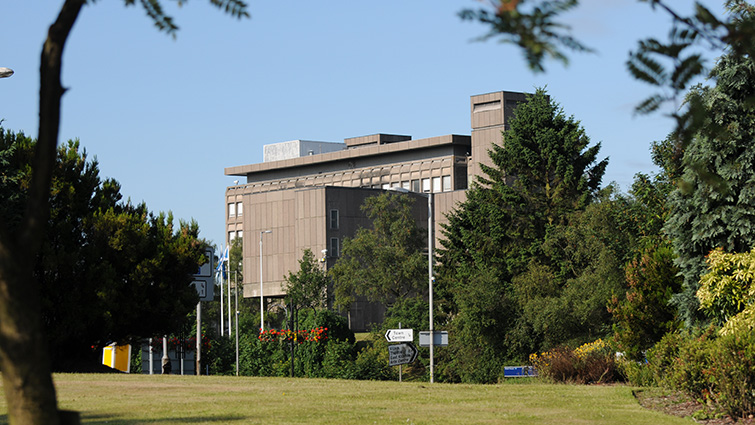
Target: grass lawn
x=144, y=399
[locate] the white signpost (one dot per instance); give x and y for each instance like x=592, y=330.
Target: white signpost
x=399, y=335
x=403, y=353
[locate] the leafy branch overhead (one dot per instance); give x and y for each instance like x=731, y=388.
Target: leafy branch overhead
x=235, y=8
x=671, y=65
x=535, y=29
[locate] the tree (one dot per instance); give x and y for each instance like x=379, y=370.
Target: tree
x=24, y=360
x=126, y=265
x=714, y=205
x=542, y=173
x=307, y=288
x=384, y=263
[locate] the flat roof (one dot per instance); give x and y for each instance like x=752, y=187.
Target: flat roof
x=356, y=152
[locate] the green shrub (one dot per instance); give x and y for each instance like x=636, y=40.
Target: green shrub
x=731, y=374
x=590, y=363
x=637, y=373
x=372, y=362
x=338, y=361
x=679, y=361
x=718, y=370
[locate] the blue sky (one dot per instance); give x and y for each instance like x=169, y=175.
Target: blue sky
x=165, y=116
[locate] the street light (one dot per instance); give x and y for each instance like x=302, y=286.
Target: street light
x=430, y=278
x=5, y=72
x=262, y=300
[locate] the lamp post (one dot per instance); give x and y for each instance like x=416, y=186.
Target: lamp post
x=262, y=299
x=430, y=278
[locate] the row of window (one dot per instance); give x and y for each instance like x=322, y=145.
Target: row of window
x=235, y=209
x=334, y=249
x=435, y=185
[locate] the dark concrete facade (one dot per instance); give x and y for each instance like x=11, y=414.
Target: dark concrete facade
x=299, y=198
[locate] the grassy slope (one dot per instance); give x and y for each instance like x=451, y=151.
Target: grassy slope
x=140, y=399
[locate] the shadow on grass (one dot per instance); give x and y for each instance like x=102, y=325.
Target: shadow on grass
x=178, y=419
x=113, y=420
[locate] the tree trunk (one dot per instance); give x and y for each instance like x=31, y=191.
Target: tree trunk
x=24, y=357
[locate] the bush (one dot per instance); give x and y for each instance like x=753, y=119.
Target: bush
x=372, y=362
x=338, y=361
x=679, y=360
x=591, y=363
x=717, y=370
x=731, y=374
x=637, y=373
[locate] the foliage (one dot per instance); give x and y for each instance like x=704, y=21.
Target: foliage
x=714, y=205
x=718, y=370
x=164, y=22
x=636, y=373
x=732, y=374
x=593, y=362
x=679, y=359
x=670, y=66
x=565, y=292
x=129, y=267
x=307, y=288
x=384, y=263
x=534, y=29
x=507, y=257
x=324, y=348
x=644, y=315
x=727, y=292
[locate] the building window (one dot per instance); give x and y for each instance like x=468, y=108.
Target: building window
x=334, y=219
x=231, y=236
x=436, y=184
x=426, y=185
x=240, y=234
x=239, y=209
x=447, y=184
x=406, y=185
x=232, y=209
x=334, y=248
x=386, y=186
x=415, y=186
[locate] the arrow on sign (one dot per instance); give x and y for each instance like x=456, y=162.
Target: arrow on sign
x=399, y=354
x=399, y=335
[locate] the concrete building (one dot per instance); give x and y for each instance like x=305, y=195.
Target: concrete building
x=309, y=193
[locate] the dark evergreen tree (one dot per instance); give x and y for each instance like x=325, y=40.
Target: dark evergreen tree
x=542, y=173
x=714, y=205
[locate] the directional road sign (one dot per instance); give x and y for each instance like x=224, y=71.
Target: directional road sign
x=403, y=353
x=399, y=335
x=205, y=289
x=440, y=339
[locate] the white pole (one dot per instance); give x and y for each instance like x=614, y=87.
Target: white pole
x=228, y=266
x=236, y=292
x=151, y=360
x=222, y=324
x=199, y=338
x=262, y=298
x=166, y=359
x=430, y=278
